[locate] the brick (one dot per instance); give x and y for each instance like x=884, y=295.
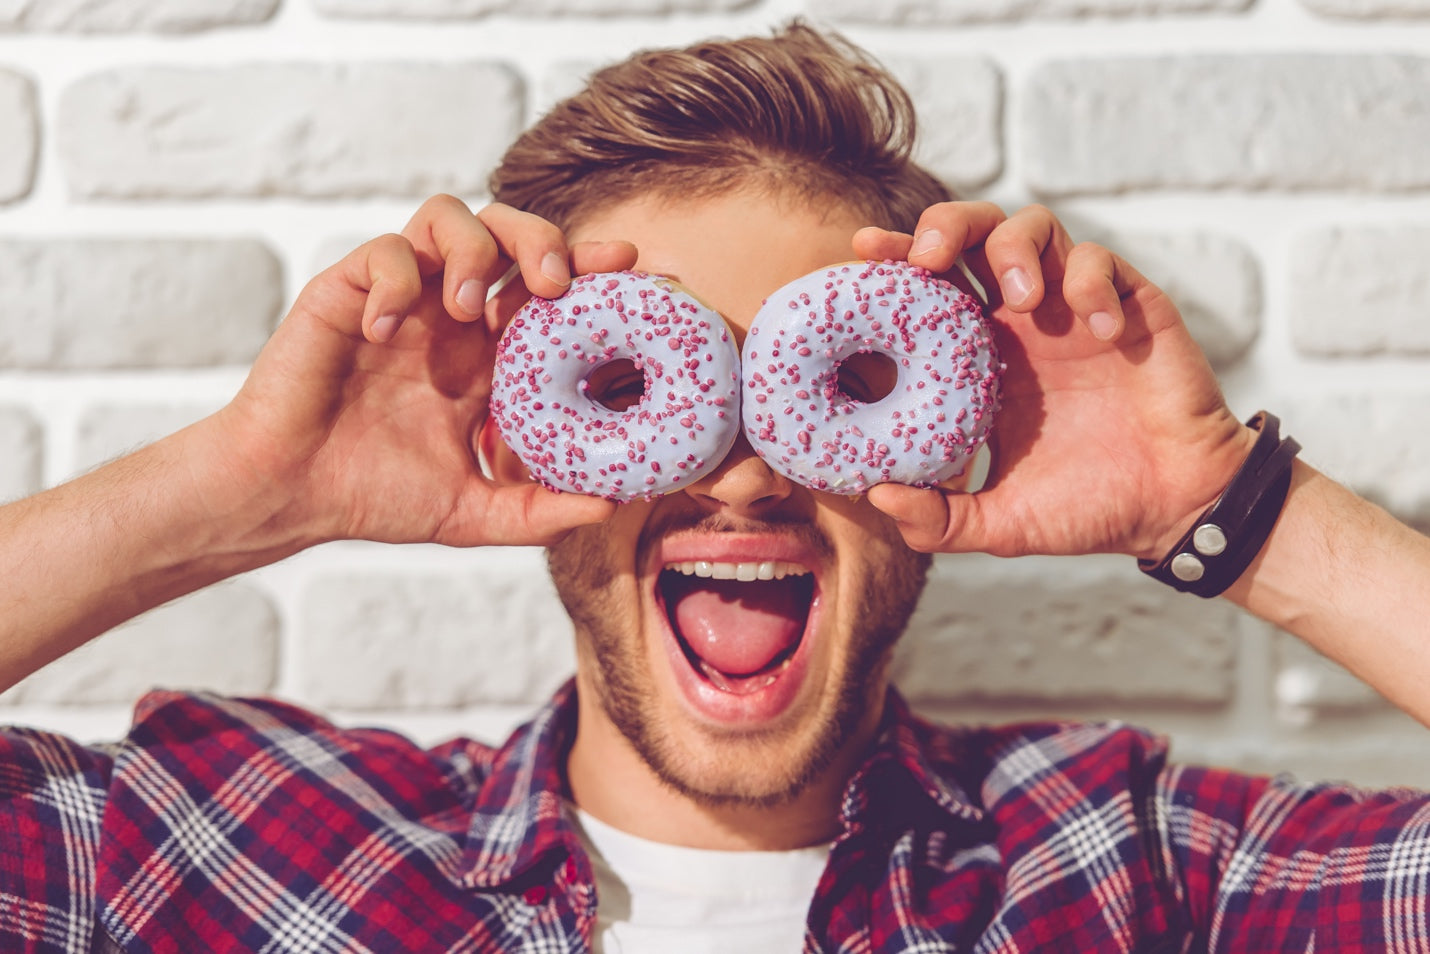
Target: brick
x=1209, y=122
x=1372, y=442
x=387, y=641
x=1370, y=9
x=109, y=431
x=466, y=9
x=918, y=12
x=392, y=129
x=116, y=303
x=224, y=638
x=1380, y=748
x=960, y=108
x=1306, y=681
x=123, y=16
x=20, y=132
x=1361, y=291
x=1039, y=629
x=1368, y=762
x=20, y=453
x=1215, y=282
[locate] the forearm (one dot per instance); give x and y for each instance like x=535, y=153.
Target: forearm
x=82, y=558
x=1352, y=581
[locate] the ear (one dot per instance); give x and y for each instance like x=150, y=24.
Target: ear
x=496, y=460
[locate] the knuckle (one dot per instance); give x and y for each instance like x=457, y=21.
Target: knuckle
x=544, y=231
x=523, y=229
x=444, y=202
x=1088, y=255
x=1037, y=210
x=390, y=245
x=1083, y=284
x=1007, y=243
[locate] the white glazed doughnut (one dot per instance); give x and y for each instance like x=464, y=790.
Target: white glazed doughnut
x=683, y=424
x=924, y=431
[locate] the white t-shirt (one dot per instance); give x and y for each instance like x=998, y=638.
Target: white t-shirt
x=652, y=897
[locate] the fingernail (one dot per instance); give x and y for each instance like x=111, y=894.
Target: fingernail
x=554, y=267
x=385, y=327
x=472, y=296
x=926, y=241
x=1102, y=325
x=1017, y=286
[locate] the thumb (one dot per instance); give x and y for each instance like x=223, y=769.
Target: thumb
x=528, y=515
x=933, y=520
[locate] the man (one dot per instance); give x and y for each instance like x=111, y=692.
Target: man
x=647, y=809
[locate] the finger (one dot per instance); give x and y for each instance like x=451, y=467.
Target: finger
x=921, y=515
x=449, y=240
x=1095, y=283
x=603, y=257
x=532, y=515
x=586, y=256
x=536, y=246
x=1024, y=252
x=947, y=230
x=384, y=273
x=977, y=264
x=933, y=521
x=507, y=302
x=873, y=243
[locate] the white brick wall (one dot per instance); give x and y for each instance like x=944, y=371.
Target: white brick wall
x=86, y=16
x=952, y=12
x=315, y=131
x=1361, y=291
x=20, y=453
x=19, y=131
x=1282, y=121
x=171, y=172
x=125, y=303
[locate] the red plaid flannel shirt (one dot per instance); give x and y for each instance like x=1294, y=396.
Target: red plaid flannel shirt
x=241, y=825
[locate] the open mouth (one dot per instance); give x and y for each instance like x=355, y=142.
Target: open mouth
x=738, y=624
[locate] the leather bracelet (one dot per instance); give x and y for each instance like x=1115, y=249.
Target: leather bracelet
x=1231, y=532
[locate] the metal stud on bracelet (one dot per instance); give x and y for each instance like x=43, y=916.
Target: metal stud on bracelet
x=1227, y=536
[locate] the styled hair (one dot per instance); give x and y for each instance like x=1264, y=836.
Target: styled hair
x=800, y=113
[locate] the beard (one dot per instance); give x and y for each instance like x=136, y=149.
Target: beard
x=771, y=765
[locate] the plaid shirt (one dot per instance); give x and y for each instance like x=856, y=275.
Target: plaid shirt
x=240, y=825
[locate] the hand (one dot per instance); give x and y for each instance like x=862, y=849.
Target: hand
x=1113, y=433
x=363, y=410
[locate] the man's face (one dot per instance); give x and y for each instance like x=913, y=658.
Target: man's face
x=735, y=690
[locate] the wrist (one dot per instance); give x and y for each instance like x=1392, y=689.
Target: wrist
x=1225, y=538
x=241, y=502
x=1211, y=472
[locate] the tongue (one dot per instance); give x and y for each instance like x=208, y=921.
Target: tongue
x=738, y=628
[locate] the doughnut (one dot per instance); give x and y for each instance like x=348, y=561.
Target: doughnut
x=685, y=420
x=924, y=431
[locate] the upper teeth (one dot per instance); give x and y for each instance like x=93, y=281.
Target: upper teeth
x=766, y=570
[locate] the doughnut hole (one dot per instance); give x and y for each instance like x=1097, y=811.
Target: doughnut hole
x=617, y=385
x=866, y=376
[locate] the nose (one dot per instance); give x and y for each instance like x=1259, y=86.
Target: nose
x=743, y=485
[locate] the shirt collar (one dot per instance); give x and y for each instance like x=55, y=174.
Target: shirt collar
x=518, y=822
x=517, y=819
x=913, y=761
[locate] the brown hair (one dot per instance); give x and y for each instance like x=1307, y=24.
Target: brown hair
x=799, y=112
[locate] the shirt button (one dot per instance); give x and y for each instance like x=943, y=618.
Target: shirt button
x=534, y=896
